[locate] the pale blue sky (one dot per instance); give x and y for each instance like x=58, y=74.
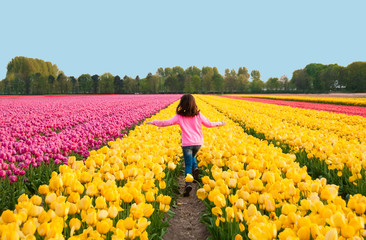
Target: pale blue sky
x=137, y=37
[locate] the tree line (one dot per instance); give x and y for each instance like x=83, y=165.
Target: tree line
x=317, y=77
x=34, y=76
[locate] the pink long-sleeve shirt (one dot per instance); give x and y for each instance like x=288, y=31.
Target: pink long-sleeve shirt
x=191, y=127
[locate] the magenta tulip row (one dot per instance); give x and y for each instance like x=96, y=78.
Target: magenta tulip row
x=35, y=130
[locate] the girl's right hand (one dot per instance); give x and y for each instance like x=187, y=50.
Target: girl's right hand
x=223, y=123
x=148, y=122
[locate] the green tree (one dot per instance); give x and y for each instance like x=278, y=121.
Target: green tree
x=85, y=83
x=152, y=82
x=63, y=86
x=314, y=83
x=118, y=84
x=95, y=80
x=356, y=77
x=74, y=84
x=39, y=84
x=272, y=84
x=231, y=83
x=285, y=84
x=20, y=70
x=196, y=84
x=129, y=84
x=256, y=85
x=243, y=79
x=301, y=80
x=207, y=79
x=106, y=83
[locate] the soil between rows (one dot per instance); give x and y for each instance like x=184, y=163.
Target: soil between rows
x=186, y=223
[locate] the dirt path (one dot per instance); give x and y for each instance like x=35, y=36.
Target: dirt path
x=186, y=222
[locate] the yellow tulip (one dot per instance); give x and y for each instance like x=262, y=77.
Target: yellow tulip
x=75, y=223
x=166, y=200
x=103, y=226
x=229, y=213
x=148, y=210
x=304, y=233
x=85, y=203
x=338, y=220
x=171, y=165
x=110, y=195
x=189, y=178
x=347, y=231
x=8, y=216
x=112, y=211
x=331, y=234
x=162, y=184
x=128, y=223
x=36, y=200
x=29, y=227
x=201, y=194
x=100, y=202
x=91, y=218
x=51, y=197
x=43, y=229
x=150, y=196
x=238, y=237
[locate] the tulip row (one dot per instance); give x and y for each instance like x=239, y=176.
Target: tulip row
x=331, y=144
x=35, y=130
x=349, y=110
x=38, y=133
x=253, y=190
x=332, y=100
x=121, y=191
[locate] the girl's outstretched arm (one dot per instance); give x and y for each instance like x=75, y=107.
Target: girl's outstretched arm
x=162, y=123
x=207, y=123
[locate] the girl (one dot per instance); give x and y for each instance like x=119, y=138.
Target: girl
x=190, y=121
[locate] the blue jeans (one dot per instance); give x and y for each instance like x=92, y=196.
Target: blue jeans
x=189, y=153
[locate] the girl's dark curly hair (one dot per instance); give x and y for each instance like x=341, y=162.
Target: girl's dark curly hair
x=187, y=106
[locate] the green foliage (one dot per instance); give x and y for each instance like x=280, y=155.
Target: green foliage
x=35, y=76
x=317, y=77
x=29, y=76
x=106, y=83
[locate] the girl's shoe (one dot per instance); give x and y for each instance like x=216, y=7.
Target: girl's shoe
x=187, y=189
x=196, y=174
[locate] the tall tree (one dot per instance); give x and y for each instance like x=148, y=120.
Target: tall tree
x=272, y=84
x=207, y=79
x=152, y=82
x=95, y=81
x=314, y=83
x=106, y=83
x=231, y=83
x=256, y=85
x=284, y=82
x=301, y=80
x=356, y=75
x=243, y=79
x=74, y=84
x=85, y=83
x=117, y=84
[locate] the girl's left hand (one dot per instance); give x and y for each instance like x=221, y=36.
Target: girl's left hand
x=148, y=122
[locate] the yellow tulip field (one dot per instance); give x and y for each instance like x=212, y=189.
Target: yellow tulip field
x=333, y=100
x=333, y=144
x=272, y=172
